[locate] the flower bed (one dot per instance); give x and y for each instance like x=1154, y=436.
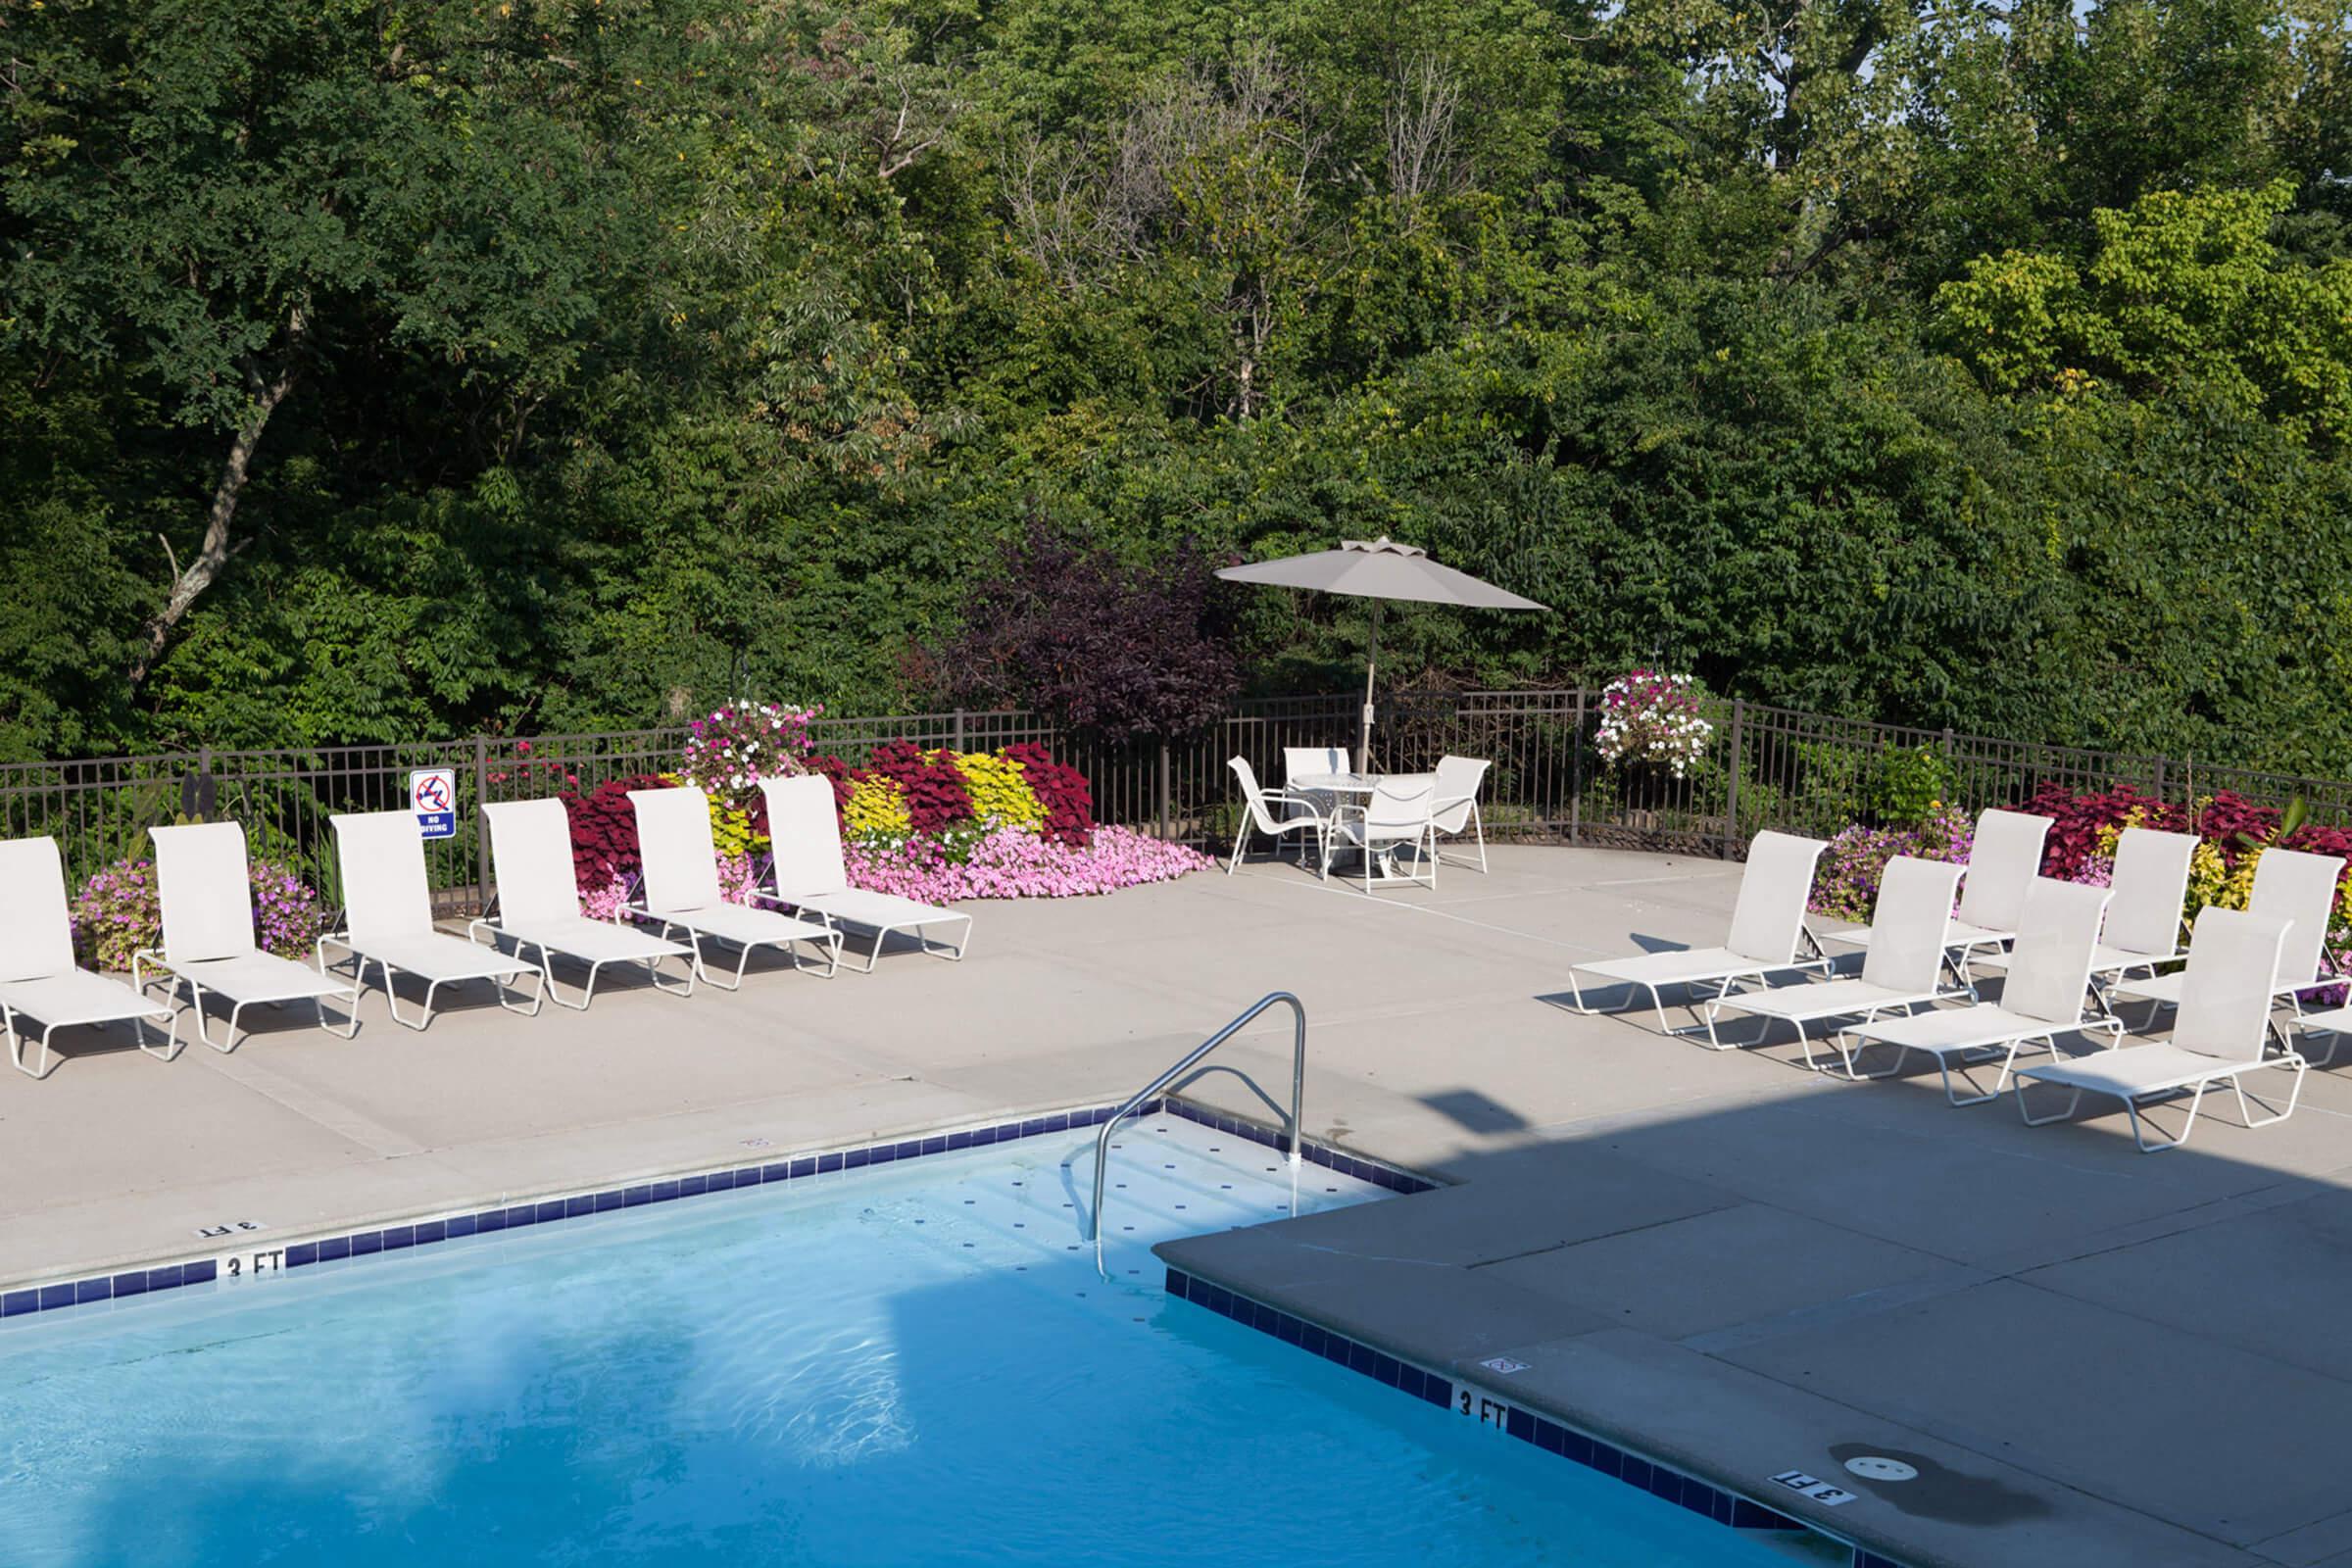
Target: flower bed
x=119, y=910
x=936, y=825
x=1845, y=883
x=2233, y=834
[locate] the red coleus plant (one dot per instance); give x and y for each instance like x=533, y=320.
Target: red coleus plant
x=936, y=794
x=2075, y=821
x=603, y=831
x=1069, y=800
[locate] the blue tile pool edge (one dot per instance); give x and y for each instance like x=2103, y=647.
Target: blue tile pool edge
x=263, y=1257
x=1706, y=1498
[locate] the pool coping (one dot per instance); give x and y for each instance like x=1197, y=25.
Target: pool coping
x=48, y=1292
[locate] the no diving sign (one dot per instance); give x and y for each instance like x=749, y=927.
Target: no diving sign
x=433, y=797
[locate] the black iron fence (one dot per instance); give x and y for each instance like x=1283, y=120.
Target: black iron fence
x=1762, y=767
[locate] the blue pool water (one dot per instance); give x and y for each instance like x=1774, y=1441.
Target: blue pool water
x=908, y=1365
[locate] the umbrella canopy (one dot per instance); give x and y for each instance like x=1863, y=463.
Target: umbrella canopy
x=1376, y=569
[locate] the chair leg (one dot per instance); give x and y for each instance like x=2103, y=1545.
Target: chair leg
x=2073, y=1103
x=2291, y=1061
x=1239, y=839
x=392, y=1000
x=1478, y=825
x=538, y=991
x=547, y=982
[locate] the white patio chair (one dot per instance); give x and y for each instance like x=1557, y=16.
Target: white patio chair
x=539, y=904
x=1901, y=972
x=388, y=921
x=1768, y=928
x=38, y=978
x=681, y=892
x=2003, y=860
x=1304, y=815
x=206, y=885
x=2219, y=1034
x=2289, y=885
x=2047, y=993
x=1395, y=816
x=1308, y=761
x=807, y=873
x=1454, y=807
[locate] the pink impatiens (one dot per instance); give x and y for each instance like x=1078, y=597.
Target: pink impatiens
x=1020, y=865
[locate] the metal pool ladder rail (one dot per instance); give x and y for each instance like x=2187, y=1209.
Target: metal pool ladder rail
x=1190, y=1060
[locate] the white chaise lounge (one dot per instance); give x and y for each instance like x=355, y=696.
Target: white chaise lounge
x=1900, y=973
x=539, y=904
x=2047, y=993
x=388, y=921
x=2219, y=1035
x=809, y=875
x=2291, y=886
x=681, y=892
x=2143, y=930
x=38, y=978
x=1768, y=932
x=2003, y=859
x=206, y=885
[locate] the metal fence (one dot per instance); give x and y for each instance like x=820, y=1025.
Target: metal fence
x=1763, y=768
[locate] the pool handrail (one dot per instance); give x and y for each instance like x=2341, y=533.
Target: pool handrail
x=1185, y=1065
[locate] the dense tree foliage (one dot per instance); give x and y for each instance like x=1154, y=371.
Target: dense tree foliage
x=382, y=368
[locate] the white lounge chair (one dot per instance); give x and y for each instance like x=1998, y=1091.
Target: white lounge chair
x=1397, y=814
x=2151, y=884
x=2047, y=993
x=388, y=921
x=1453, y=808
x=1302, y=815
x=1901, y=972
x=1767, y=930
x=38, y=978
x=2219, y=1034
x=206, y=885
x=807, y=873
x=2003, y=860
x=539, y=904
x=2289, y=885
x=681, y=893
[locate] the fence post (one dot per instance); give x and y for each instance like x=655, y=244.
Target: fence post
x=959, y=746
x=1730, y=794
x=1575, y=771
x=1164, y=824
x=196, y=800
x=481, y=828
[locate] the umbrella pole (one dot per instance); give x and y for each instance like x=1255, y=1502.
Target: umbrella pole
x=1363, y=736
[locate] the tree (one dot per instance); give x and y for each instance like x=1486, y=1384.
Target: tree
x=1119, y=650
x=232, y=195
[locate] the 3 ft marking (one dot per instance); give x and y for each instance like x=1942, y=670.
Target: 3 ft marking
x=1484, y=1411
x=252, y=1265
x=1820, y=1491
x=213, y=1233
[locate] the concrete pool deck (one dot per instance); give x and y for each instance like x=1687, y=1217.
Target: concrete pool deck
x=2093, y=1355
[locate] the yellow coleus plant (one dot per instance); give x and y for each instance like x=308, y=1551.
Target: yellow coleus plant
x=1000, y=791
x=731, y=830
x=876, y=805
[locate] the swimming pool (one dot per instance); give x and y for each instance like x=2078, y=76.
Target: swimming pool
x=911, y=1364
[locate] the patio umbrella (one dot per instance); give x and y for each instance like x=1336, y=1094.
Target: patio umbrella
x=1377, y=569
